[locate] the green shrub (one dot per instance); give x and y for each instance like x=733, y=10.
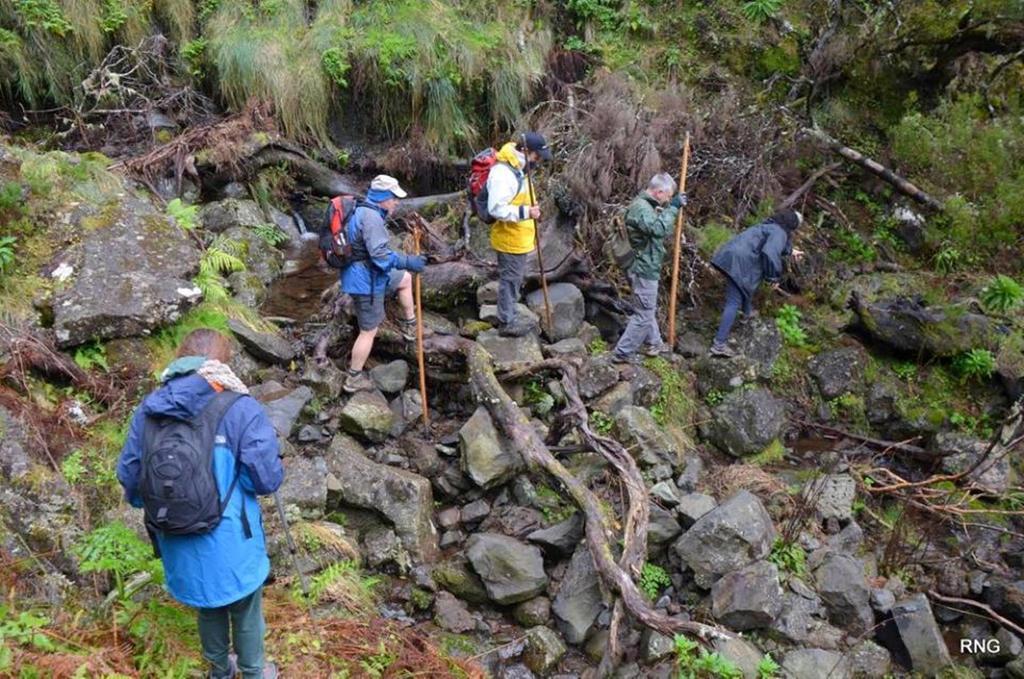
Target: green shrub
x=7, y=257
x=193, y=53
x=975, y=364
x=116, y=550
x=905, y=370
x=1002, y=294
x=601, y=422
x=183, y=214
x=703, y=666
x=270, y=234
x=10, y=197
x=768, y=668
x=761, y=10
x=788, y=321
x=92, y=355
x=789, y=557
x=948, y=259
x=712, y=237
x=653, y=580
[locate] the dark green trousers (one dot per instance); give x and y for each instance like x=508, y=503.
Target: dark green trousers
x=240, y=624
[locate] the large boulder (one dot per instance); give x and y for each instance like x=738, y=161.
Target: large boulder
x=510, y=570
x=578, y=602
x=543, y=650
x=560, y=539
x=305, y=485
x=921, y=635
x=567, y=309
x=748, y=598
x=961, y=452
x=728, y=537
x=130, y=274
x=269, y=347
x=721, y=375
x=221, y=215
x=403, y=498
x=261, y=260
x=510, y=352
x=761, y=342
x=368, y=415
x=392, y=377
x=909, y=325
x=832, y=496
x=815, y=663
x=843, y=588
x=598, y=375
x=488, y=457
x=283, y=409
x=838, y=371
x=636, y=428
x=746, y=422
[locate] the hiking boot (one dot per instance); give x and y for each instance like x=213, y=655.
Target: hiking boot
x=407, y=326
x=232, y=669
x=721, y=350
x=270, y=671
x=625, y=359
x=357, y=380
x=657, y=349
x=516, y=328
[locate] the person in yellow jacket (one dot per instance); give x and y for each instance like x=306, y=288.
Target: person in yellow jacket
x=513, y=234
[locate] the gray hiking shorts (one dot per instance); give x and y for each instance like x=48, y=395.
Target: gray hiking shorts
x=370, y=308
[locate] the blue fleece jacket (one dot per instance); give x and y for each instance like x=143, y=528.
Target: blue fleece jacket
x=223, y=566
x=368, y=275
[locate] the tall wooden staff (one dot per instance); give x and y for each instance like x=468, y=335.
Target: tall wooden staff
x=419, y=328
x=536, y=231
x=679, y=244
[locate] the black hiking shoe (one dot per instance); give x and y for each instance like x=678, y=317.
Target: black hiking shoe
x=721, y=350
x=516, y=328
x=357, y=380
x=624, y=359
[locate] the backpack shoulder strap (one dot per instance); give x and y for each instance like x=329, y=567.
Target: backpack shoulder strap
x=212, y=416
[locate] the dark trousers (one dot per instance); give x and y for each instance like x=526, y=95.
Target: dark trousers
x=243, y=620
x=511, y=272
x=734, y=299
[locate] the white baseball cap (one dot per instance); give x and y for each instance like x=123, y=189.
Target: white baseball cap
x=383, y=182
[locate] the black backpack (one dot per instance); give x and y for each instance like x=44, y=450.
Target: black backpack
x=177, y=483
x=335, y=247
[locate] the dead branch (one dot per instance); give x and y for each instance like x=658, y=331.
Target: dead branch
x=792, y=198
x=1008, y=624
x=914, y=451
x=874, y=167
x=514, y=423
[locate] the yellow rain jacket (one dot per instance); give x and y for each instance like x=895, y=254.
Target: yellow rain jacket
x=508, y=201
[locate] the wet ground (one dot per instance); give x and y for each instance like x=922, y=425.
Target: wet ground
x=296, y=293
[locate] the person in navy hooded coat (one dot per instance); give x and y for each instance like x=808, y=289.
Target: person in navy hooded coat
x=221, y=573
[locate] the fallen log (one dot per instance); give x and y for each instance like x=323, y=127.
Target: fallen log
x=874, y=167
x=514, y=424
x=916, y=452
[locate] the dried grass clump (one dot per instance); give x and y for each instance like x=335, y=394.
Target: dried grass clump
x=725, y=481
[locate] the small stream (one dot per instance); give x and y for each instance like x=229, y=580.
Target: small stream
x=296, y=293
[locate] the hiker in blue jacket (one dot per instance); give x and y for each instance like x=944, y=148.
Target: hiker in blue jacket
x=378, y=272
x=757, y=254
x=221, y=572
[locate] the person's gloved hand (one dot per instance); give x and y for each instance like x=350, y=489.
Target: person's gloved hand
x=679, y=200
x=414, y=263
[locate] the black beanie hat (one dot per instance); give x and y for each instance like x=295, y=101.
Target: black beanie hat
x=787, y=219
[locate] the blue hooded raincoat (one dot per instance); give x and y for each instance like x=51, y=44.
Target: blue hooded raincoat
x=223, y=566
x=369, y=274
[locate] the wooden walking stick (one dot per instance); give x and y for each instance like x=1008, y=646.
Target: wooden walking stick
x=536, y=232
x=419, y=328
x=679, y=244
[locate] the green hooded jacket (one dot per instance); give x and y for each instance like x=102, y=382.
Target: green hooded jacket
x=647, y=229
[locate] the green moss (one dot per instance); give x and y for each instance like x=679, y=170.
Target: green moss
x=773, y=454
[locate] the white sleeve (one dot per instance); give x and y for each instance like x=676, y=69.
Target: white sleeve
x=502, y=188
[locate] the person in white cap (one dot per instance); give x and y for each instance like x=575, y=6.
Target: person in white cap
x=377, y=272
x=755, y=255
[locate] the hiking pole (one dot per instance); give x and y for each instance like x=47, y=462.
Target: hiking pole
x=419, y=327
x=536, y=232
x=291, y=545
x=679, y=244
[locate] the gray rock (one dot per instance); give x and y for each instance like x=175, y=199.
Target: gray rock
x=305, y=485
x=326, y=382
x=761, y=342
x=693, y=467
x=571, y=346
x=219, y=216
x=536, y=611
x=842, y=586
x=665, y=492
x=797, y=621
x=567, y=309
x=837, y=372
x=544, y=649
x=691, y=345
x=962, y=452
x=1006, y=596
x=597, y=376
x=655, y=646
x=451, y=614
x=728, y=537
x=15, y=461
x=561, y=539
x=456, y=577
x=265, y=346
x=487, y=293
x=390, y=377
x=510, y=352
x=723, y=375
x=475, y=511
x=636, y=429
x=748, y=598
x=912, y=327
x=868, y=659
x=367, y=415
x=449, y=518
x=452, y=538
x=309, y=434
x=264, y=262
x=510, y=570
x=741, y=653
x=489, y=314
x=131, y=274
x=645, y=385
x=407, y=408
x=693, y=506
x=247, y=288
x=285, y=410
x=1008, y=647
x=882, y=600
x=662, y=526
x=578, y=602
x=832, y=496
x=815, y=663
x=614, y=400
x=921, y=635
x=404, y=498
x=1015, y=669
x=848, y=540
x=383, y=547
x=746, y=422
x=518, y=671
x=488, y=458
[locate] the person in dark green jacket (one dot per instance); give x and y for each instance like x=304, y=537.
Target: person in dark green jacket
x=649, y=219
